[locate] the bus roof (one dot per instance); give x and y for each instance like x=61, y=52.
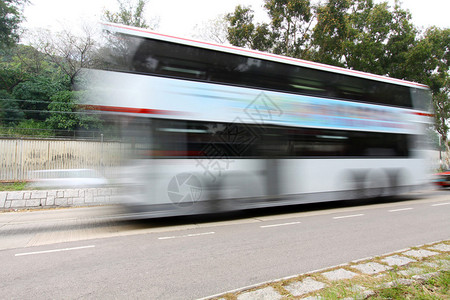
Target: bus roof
x=140, y=32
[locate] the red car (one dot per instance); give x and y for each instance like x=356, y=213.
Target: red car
x=442, y=179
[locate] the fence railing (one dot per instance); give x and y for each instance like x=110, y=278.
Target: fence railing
x=18, y=157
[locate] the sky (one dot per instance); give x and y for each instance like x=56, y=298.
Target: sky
x=179, y=17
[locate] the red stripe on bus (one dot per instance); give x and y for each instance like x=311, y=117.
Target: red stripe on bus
x=130, y=110
x=423, y=114
x=273, y=56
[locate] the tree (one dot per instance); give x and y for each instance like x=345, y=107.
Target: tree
x=362, y=35
x=68, y=51
x=331, y=31
x=429, y=62
x=10, y=112
x=19, y=64
x=290, y=25
x=214, y=30
x=242, y=32
x=66, y=115
x=130, y=13
x=10, y=17
x=33, y=95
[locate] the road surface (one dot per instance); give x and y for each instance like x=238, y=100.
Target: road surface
x=90, y=253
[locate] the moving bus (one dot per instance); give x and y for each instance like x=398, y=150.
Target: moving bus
x=214, y=127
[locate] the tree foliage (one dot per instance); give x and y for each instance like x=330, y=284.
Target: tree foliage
x=288, y=32
x=10, y=17
x=20, y=63
x=241, y=29
x=66, y=115
x=214, y=30
x=290, y=26
x=363, y=35
x=10, y=112
x=130, y=13
x=33, y=95
x=68, y=51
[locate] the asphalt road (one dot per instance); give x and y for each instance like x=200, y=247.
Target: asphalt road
x=90, y=253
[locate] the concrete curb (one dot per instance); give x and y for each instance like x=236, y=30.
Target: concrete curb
x=34, y=199
x=310, y=285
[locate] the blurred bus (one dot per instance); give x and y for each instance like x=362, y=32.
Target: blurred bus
x=214, y=127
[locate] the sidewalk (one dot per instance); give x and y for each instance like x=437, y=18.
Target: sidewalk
x=359, y=279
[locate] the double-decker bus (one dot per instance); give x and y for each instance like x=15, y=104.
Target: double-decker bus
x=215, y=127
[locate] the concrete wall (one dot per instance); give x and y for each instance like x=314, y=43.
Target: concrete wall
x=57, y=198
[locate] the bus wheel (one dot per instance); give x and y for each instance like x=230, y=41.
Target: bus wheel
x=375, y=184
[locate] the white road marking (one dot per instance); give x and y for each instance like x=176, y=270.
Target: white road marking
x=349, y=216
x=184, y=236
x=277, y=225
x=400, y=209
x=439, y=204
x=55, y=250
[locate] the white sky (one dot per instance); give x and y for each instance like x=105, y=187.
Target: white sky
x=179, y=17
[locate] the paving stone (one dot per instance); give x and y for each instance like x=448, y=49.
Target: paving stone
x=71, y=193
x=371, y=268
x=78, y=201
x=362, y=291
x=50, y=201
x=38, y=194
x=305, y=286
x=100, y=199
x=425, y=277
x=61, y=201
x=419, y=253
x=18, y=203
x=397, y=260
x=33, y=203
x=104, y=192
x=411, y=271
x=441, y=247
x=404, y=281
x=444, y=264
x=400, y=281
x=267, y=293
x=339, y=274
x=14, y=196
x=431, y=264
x=2, y=199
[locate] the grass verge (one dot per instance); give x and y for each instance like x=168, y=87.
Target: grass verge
x=12, y=186
x=434, y=288
x=424, y=278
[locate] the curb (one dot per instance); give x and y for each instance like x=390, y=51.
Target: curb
x=37, y=199
x=359, y=277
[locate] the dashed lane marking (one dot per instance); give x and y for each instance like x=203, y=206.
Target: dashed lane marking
x=54, y=250
x=349, y=216
x=400, y=209
x=439, y=204
x=184, y=236
x=277, y=225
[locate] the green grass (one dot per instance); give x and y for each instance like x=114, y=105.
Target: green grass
x=14, y=186
x=434, y=288
x=392, y=284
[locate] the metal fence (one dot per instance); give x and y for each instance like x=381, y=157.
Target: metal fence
x=18, y=157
